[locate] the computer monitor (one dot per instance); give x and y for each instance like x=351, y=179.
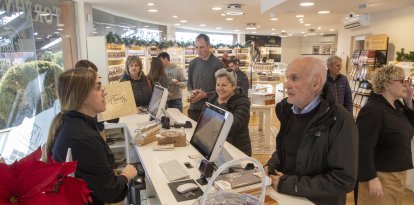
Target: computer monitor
x=158, y=101
x=211, y=131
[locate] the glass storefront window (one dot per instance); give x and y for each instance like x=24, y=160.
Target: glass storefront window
x=31, y=59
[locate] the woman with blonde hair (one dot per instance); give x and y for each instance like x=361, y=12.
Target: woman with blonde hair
x=81, y=95
x=141, y=84
x=386, y=127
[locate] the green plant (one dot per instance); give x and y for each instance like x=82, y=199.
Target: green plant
x=402, y=56
x=17, y=102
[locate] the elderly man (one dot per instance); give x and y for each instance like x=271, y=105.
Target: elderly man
x=338, y=83
x=201, y=81
x=316, y=155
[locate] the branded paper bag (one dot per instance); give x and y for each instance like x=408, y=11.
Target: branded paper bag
x=119, y=101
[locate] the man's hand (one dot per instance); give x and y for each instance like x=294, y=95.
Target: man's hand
x=375, y=188
x=175, y=82
x=198, y=95
x=275, y=179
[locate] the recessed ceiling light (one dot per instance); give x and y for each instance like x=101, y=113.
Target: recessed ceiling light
x=290, y=34
x=202, y=25
x=237, y=30
x=175, y=16
x=35, y=33
x=273, y=33
x=222, y=14
x=303, y=32
x=183, y=21
x=283, y=31
x=61, y=24
x=306, y=4
x=274, y=19
x=234, y=10
x=273, y=29
x=305, y=35
x=324, y=12
x=216, y=8
x=229, y=19
x=177, y=24
x=60, y=29
x=218, y=28
x=150, y=4
x=152, y=10
x=300, y=16
x=307, y=24
x=331, y=29
x=251, y=26
x=319, y=27
x=301, y=19
x=107, y=27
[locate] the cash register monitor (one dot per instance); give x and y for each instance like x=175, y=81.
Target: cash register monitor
x=211, y=131
x=158, y=101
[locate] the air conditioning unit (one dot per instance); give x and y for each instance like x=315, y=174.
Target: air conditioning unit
x=356, y=21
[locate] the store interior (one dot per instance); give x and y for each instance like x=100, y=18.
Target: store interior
x=46, y=37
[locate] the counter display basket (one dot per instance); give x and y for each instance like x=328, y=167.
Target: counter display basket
x=228, y=197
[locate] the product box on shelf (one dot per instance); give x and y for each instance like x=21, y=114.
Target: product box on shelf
x=259, y=98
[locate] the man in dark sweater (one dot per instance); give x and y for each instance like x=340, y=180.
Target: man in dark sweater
x=201, y=81
x=317, y=145
x=338, y=83
x=242, y=80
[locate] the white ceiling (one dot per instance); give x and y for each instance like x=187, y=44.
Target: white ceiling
x=198, y=12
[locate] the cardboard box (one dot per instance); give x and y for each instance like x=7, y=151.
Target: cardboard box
x=263, y=98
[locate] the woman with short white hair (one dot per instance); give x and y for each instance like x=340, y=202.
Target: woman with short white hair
x=232, y=99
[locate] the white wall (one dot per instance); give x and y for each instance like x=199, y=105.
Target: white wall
x=397, y=24
x=291, y=48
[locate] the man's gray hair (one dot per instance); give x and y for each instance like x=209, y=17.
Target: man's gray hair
x=229, y=74
x=333, y=59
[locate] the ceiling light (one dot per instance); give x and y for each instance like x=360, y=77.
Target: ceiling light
x=319, y=27
x=177, y=24
x=273, y=33
x=303, y=32
x=274, y=19
x=306, y=4
x=305, y=35
x=145, y=26
x=273, y=29
x=234, y=10
x=237, y=30
x=307, y=24
x=283, y=31
x=324, y=12
x=223, y=14
x=251, y=26
x=331, y=29
x=216, y=8
x=38, y=38
x=229, y=19
x=202, y=25
x=301, y=19
x=35, y=33
x=60, y=29
x=254, y=32
x=175, y=16
x=300, y=16
x=218, y=28
x=152, y=10
x=61, y=24
x=290, y=34
x=183, y=21
x=107, y=27
x=150, y=4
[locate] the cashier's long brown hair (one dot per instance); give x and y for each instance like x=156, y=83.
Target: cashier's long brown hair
x=73, y=88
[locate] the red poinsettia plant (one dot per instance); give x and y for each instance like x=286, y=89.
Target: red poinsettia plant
x=31, y=181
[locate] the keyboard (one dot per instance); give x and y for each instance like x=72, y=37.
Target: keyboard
x=174, y=170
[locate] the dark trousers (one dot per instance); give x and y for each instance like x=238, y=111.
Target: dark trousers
x=194, y=114
x=177, y=103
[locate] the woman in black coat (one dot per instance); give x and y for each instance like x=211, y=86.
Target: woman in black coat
x=232, y=99
x=386, y=127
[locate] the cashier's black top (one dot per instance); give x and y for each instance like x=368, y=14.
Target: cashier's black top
x=95, y=159
x=385, y=135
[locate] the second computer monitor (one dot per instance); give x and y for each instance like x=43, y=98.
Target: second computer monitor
x=211, y=131
x=158, y=101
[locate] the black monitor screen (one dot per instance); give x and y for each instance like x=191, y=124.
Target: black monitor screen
x=155, y=101
x=208, y=130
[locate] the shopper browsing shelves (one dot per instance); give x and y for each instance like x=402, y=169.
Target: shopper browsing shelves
x=386, y=128
x=201, y=79
x=338, y=83
x=232, y=99
x=82, y=98
x=177, y=80
x=141, y=84
x=316, y=153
